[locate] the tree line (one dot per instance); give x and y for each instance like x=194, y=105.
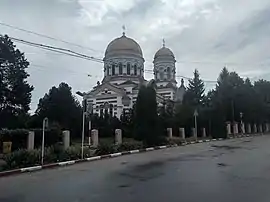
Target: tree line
x=231, y=96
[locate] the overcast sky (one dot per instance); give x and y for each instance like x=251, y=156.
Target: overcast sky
x=203, y=34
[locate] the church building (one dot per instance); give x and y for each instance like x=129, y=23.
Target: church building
x=124, y=73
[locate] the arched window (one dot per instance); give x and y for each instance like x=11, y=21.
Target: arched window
x=120, y=68
x=113, y=69
x=168, y=73
x=135, y=69
x=161, y=74
x=128, y=69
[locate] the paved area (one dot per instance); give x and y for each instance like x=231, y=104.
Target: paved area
x=231, y=170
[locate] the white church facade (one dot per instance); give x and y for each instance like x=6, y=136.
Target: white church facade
x=124, y=73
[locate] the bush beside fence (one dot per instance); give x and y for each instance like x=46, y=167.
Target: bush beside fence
x=18, y=138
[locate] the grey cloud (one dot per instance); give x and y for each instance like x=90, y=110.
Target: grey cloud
x=215, y=31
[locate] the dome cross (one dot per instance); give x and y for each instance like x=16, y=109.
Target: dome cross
x=124, y=30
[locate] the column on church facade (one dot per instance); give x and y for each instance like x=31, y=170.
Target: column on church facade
x=132, y=69
x=110, y=70
x=117, y=69
x=125, y=68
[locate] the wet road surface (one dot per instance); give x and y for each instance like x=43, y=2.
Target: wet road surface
x=231, y=170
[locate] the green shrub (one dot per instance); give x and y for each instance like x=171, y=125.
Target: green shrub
x=106, y=149
x=18, y=137
x=22, y=158
x=127, y=146
x=175, y=140
x=52, y=137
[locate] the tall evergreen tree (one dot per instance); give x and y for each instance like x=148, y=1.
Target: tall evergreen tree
x=15, y=92
x=61, y=107
x=195, y=90
x=146, y=117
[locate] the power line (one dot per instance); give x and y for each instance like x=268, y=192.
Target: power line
x=42, y=67
x=48, y=37
x=83, y=56
x=58, y=50
x=222, y=63
x=180, y=76
x=91, y=49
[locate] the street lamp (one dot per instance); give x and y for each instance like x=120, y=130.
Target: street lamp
x=45, y=124
x=83, y=119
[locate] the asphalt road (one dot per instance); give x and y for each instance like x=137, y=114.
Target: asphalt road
x=231, y=170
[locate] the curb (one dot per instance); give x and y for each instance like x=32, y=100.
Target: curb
x=95, y=158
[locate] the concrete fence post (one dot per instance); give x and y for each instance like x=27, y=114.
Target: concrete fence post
x=193, y=133
x=266, y=127
x=169, y=132
x=203, y=132
x=118, y=136
x=248, y=128
x=235, y=128
x=66, y=138
x=182, y=133
x=94, y=137
x=228, y=128
x=89, y=132
x=243, y=128
x=260, y=128
x=255, y=128
x=31, y=140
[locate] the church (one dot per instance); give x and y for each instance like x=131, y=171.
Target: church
x=124, y=74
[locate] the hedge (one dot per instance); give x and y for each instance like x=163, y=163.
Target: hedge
x=25, y=158
x=18, y=138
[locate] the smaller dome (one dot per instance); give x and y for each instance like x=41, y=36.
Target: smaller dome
x=164, y=52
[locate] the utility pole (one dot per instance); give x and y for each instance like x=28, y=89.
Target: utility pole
x=195, y=120
x=45, y=125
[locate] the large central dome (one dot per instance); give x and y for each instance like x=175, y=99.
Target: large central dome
x=123, y=46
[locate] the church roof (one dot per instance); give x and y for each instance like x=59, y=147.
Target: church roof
x=123, y=45
x=107, y=85
x=128, y=82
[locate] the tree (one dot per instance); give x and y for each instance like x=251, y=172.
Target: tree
x=146, y=117
x=127, y=122
x=195, y=90
x=15, y=92
x=60, y=106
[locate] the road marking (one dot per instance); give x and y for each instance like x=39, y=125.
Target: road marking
x=93, y=158
x=116, y=154
x=31, y=168
x=134, y=151
x=66, y=163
